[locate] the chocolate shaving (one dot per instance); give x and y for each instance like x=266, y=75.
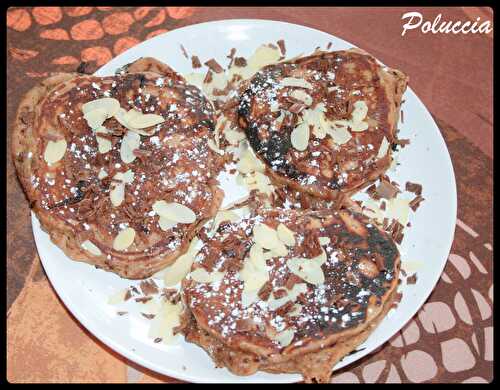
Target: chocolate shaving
x=414, y=187
x=265, y=291
x=240, y=62
x=415, y=203
x=148, y=316
x=148, y=287
x=372, y=192
x=208, y=77
x=143, y=299
x=281, y=45
x=296, y=108
x=411, y=279
x=184, y=52
x=292, y=281
x=382, y=205
x=128, y=295
x=402, y=117
x=121, y=313
x=157, y=340
x=171, y=295
x=195, y=62
x=397, y=232
x=401, y=142
x=277, y=294
x=329, y=45
x=403, y=272
x=214, y=66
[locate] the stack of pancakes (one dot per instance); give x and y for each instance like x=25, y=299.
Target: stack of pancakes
x=121, y=173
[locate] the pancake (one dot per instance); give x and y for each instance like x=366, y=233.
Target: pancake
x=324, y=124
x=118, y=169
x=320, y=290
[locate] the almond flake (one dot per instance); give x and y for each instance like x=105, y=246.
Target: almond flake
x=130, y=142
x=117, y=193
x=284, y=338
x=265, y=236
x=295, y=82
x=163, y=325
x=286, y=236
x=174, y=212
x=174, y=273
x=124, y=239
x=307, y=269
x=109, y=105
x=54, y=151
x=299, y=94
x=145, y=120
x=257, y=257
x=340, y=135
x=291, y=296
x=200, y=275
x=95, y=118
x=165, y=223
x=300, y=137
x=384, y=147
x=90, y=247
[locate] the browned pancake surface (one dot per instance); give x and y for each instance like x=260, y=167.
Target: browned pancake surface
x=270, y=109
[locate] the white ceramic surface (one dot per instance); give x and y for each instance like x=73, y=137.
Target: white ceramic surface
x=85, y=290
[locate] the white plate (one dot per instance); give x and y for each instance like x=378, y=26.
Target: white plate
x=85, y=290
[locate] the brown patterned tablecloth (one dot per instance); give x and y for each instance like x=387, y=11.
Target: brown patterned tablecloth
x=451, y=337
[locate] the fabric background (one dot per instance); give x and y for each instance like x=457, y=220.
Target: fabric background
x=449, y=340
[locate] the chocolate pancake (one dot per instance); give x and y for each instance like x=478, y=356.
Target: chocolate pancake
x=324, y=124
x=117, y=168
x=284, y=289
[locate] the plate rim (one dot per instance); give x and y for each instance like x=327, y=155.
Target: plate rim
x=139, y=359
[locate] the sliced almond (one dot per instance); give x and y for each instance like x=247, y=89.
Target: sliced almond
x=109, y=105
x=225, y=215
x=295, y=82
x=306, y=269
x=296, y=310
x=103, y=145
x=291, y=296
x=54, y=151
x=95, y=118
x=257, y=257
x=174, y=212
x=265, y=236
x=384, y=147
x=300, y=137
x=117, y=194
x=90, y=247
x=284, y=338
x=174, y=273
x=163, y=325
x=130, y=142
x=280, y=250
x=339, y=133
x=398, y=209
x=299, y=94
x=200, y=275
x=166, y=224
x=124, y=239
x=145, y=120
x=286, y=236
x=359, y=112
